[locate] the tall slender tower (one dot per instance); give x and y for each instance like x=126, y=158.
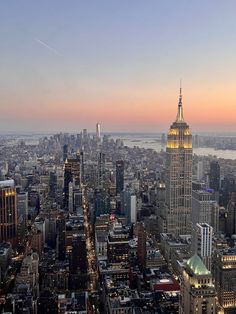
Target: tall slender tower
x=98, y=131
x=178, y=176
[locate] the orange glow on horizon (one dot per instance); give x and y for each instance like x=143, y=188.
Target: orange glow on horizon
x=146, y=109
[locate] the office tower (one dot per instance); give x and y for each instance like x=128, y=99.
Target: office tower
x=37, y=240
x=203, y=243
x=101, y=202
x=71, y=198
x=231, y=217
x=202, y=206
x=119, y=176
x=228, y=186
x=129, y=206
x=8, y=212
x=98, y=132
x=225, y=278
x=22, y=204
x=79, y=254
x=61, y=236
x=177, y=213
x=197, y=291
x=82, y=167
x=50, y=232
x=52, y=184
x=214, y=176
x=72, y=173
x=141, y=249
x=39, y=223
x=65, y=152
x=200, y=170
x=101, y=170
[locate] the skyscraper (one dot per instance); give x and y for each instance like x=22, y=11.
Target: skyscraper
x=72, y=173
x=176, y=218
x=119, y=176
x=98, y=131
x=8, y=212
x=65, y=152
x=141, y=249
x=101, y=169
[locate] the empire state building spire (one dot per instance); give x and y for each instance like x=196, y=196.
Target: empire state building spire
x=180, y=115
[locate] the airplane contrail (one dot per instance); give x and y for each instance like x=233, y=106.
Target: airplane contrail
x=47, y=46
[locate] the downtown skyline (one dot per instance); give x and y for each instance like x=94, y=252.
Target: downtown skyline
x=66, y=67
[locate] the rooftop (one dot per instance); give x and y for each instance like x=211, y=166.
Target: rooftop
x=197, y=266
x=7, y=183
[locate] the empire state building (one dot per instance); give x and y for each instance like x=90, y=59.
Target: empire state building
x=177, y=211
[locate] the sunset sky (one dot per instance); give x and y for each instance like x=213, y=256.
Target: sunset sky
x=65, y=65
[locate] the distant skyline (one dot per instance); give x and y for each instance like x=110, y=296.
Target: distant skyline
x=66, y=65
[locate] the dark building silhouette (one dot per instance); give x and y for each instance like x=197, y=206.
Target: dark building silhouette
x=231, y=216
x=61, y=242
x=65, y=152
x=72, y=173
x=101, y=169
x=228, y=186
x=52, y=184
x=214, y=176
x=119, y=176
x=79, y=254
x=101, y=202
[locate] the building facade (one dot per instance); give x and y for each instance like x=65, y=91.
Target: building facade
x=176, y=218
x=225, y=278
x=8, y=212
x=197, y=291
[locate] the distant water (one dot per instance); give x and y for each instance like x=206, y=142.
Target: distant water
x=153, y=142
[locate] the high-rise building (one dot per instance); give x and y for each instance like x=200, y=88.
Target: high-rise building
x=72, y=173
x=119, y=176
x=202, y=204
x=98, y=131
x=176, y=216
x=200, y=170
x=61, y=236
x=52, y=184
x=231, y=216
x=79, y=253
x=65, y=152
x=214, y=175
x=101, y=169
x=22, y=204
x=8, y=212
x=203, y=243
x=129, y=206
x=141, y=249
x=224, y=271
x=197, y=291
x=101, y=202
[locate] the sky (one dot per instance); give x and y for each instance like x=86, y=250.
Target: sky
x=66, y=65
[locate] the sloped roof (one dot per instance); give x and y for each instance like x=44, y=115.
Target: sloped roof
x=197, y=266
